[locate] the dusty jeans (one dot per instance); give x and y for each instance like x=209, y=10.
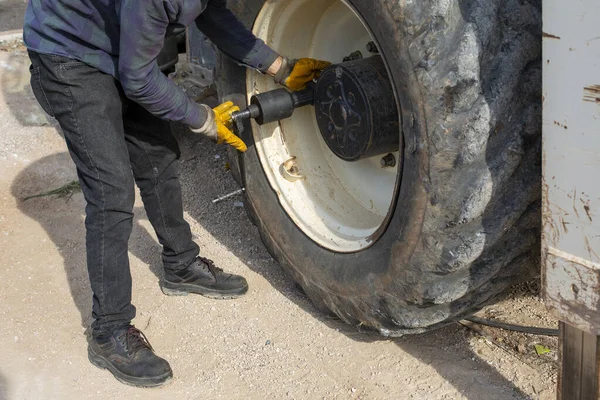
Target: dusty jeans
x=114, y=142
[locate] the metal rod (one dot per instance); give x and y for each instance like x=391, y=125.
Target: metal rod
x=227, y=196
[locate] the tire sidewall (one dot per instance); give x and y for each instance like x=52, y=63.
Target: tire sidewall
x=334, y=280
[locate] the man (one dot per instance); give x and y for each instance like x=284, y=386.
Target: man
x=94, y=69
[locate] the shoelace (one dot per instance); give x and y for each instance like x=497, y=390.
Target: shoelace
x=133, y=339
x=210, y=264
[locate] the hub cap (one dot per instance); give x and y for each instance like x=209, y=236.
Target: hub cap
x=355, y=110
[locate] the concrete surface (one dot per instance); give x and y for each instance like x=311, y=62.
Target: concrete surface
x=271, y=344
x=11, y=14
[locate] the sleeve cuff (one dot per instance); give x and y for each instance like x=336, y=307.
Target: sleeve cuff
x=263, y=58
x=196, y=117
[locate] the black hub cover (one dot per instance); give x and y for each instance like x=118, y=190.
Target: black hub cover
x=356, y=109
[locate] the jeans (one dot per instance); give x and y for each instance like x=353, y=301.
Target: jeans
x=114, y=142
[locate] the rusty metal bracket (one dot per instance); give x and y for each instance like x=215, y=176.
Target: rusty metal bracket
x=196, y=74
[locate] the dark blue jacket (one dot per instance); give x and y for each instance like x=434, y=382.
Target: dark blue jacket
x=123, y=38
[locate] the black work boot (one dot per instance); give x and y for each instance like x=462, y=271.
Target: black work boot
x=202, y=277
x=130, y=358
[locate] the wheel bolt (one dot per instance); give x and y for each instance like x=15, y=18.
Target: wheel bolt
x=388, y=161
x=357, y=55
x=372, y=48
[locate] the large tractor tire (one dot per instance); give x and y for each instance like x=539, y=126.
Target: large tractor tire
x=455, y=220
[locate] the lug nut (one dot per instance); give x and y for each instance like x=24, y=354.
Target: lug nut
x=372, y=48
x=388, y=161
x=357, y=55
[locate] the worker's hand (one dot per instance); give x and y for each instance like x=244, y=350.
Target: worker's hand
x=225, y=125
x=296, y=74
x=219, y=124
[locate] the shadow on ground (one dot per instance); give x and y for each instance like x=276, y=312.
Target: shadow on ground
x=62, y=218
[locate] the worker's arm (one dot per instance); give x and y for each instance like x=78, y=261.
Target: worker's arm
x=219, y=24
x=143, y=27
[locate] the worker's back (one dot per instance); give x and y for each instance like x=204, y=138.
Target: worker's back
x=86, y=30
x=89, y=30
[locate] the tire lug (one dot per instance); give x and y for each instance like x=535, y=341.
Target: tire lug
x=388, y=161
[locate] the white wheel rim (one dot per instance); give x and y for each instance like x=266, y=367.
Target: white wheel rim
x=339, y=205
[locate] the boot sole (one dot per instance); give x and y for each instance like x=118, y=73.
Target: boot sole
x=175, y=289
x=102, y=363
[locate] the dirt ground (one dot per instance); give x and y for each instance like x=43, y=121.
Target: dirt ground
x=271, y=344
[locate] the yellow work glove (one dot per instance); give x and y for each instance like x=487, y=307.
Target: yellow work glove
x=218, y=126
x=296, y=74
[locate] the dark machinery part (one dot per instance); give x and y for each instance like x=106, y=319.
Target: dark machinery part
x=388, y=161
x=357, y=55
x=354, y=105
x=372, y=48
x=274, y=105
x=195, y=76
x=356, y=109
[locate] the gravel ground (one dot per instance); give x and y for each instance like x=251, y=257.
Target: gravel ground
x=270, y=344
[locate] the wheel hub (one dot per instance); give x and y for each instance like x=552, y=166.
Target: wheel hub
x=356, y=111
x=340, y=205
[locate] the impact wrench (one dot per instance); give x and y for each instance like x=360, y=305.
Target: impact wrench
x=274, y=105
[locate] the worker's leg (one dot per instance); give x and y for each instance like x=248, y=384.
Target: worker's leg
x=88, y=107
x=154, y=155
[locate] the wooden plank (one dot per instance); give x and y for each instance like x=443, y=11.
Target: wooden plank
x=589, y=367
x=579, y=374
x=571, y=341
